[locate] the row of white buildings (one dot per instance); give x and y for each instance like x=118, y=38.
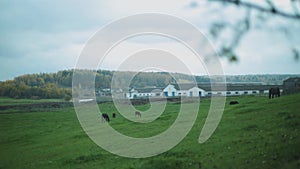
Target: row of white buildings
x=201, y=90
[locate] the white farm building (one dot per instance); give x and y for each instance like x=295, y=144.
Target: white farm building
x=185, y=90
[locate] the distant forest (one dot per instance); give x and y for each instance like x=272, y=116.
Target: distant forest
x=58, y=85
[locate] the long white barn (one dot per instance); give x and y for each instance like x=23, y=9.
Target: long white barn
x=202, y=90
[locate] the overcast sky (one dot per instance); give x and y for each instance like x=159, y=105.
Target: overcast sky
x=47, y=36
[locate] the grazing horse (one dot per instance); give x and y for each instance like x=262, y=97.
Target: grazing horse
x=233, y=102
x=274, y=92
x=137, y=113
x=114, y=115
x=105, y=117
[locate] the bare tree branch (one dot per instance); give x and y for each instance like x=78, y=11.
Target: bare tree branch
x=272, y=8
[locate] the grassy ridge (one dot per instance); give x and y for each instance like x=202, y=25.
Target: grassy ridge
x=257, y=133
x=5, y=101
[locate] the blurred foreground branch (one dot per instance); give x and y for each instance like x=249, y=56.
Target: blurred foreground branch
x=242, y=26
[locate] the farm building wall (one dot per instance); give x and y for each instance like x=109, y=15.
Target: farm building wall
x=291, y=85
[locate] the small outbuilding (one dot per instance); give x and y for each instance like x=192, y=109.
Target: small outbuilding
x=291, y=85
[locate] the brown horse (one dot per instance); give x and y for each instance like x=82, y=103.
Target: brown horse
x=274, y=92
x=139, y=114
x=233, y=102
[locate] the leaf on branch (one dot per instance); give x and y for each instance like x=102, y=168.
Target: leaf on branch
x=228, y=52
x=233, y=58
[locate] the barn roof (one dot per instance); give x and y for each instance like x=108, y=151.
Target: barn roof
x=229, y=86
x=292, y=79
x=184, y=86
x=149, y=90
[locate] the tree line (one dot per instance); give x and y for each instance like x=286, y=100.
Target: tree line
x=35, y=86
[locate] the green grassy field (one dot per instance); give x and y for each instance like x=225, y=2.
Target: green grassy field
x=257, y=133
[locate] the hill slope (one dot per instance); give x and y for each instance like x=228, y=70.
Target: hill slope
x=256, y=133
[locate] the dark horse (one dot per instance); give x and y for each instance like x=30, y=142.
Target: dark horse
x=274, y=92
x=233, y=102
x=139, y=114
x=105, y=117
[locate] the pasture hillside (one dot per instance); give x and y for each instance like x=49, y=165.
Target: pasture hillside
x=256, y=133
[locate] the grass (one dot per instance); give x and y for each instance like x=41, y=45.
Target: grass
x=4, y=101
x=256, y=133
